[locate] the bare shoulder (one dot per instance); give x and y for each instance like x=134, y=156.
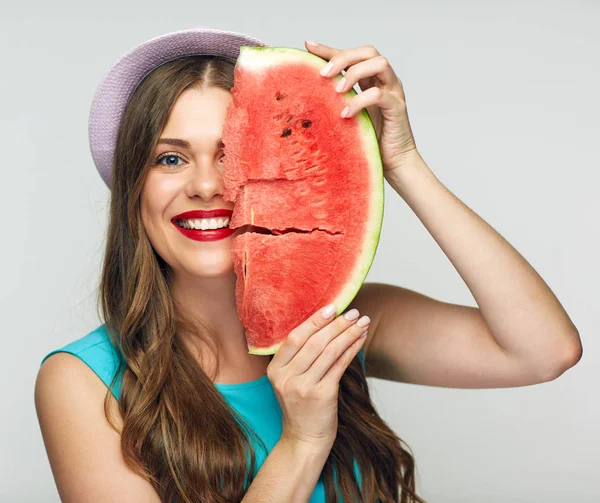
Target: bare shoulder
x=65, y=381
x=83, y=449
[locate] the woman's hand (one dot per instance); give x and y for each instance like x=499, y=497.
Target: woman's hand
x=382, y=95
x=306, y=371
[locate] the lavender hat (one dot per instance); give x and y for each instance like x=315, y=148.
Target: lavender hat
x=129, y=70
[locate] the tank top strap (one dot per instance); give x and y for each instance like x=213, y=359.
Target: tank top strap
x=97, y=351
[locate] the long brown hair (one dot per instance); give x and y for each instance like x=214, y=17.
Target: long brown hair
x=179, y=432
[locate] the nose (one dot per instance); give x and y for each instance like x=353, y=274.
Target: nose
x=205, y=180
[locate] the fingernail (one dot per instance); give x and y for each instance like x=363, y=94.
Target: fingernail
x=352, y=314
x=326, y=69
x=345, y=112
x=328, y=311
x=363, y=321
x=312, y=42
x=364, y=334
x=340, y=84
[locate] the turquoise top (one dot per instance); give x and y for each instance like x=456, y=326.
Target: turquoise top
x=255, y=400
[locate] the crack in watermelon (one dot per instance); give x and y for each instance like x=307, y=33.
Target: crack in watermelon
x=277, y=232
x=287, y=230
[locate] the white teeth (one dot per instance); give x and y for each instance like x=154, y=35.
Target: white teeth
x=203, y=223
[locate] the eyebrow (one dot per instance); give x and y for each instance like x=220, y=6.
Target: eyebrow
x=177, y=142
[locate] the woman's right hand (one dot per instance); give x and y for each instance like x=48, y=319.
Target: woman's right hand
x=305, y=374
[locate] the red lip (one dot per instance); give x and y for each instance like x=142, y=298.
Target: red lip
x=203, y=214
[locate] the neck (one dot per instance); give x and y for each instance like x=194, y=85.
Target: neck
x=211, y=300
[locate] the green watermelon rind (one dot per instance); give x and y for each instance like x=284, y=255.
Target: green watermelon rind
x=256, y=57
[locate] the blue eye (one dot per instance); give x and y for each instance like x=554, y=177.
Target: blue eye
x=166, y=156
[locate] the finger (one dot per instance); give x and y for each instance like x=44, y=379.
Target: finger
x=378, y=67
x=319, y=342
x=372, y=96
x=335, y=372
x=321, y=50
x=342, y=60
x=299, y=335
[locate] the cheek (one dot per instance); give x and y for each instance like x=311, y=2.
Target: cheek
x=145, y=210
x=152, y=211
x=153, y=200
x=157, y=197
x=151, y=220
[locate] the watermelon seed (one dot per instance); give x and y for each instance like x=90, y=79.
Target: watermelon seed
x=286, y=132
x=280, y=96
x=306, y=123
x=289, y=118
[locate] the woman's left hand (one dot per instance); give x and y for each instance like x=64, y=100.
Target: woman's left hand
x=381, y=94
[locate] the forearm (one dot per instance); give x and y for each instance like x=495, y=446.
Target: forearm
x=523, y=314
x=290, y=473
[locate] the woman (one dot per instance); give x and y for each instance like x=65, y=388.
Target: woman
x=188, y=414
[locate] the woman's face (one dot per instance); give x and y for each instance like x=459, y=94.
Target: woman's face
x=189, y=179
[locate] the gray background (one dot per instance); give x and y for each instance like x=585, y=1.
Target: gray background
x=503, y=100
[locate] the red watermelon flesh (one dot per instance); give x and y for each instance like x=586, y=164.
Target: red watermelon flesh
x=308, y=191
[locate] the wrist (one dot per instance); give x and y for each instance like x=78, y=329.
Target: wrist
x=413, y=169
x=409, y=158
x=306, y=447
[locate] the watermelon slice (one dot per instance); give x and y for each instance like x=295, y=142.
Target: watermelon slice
x=308, y=191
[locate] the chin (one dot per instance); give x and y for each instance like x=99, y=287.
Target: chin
x=210, y=270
